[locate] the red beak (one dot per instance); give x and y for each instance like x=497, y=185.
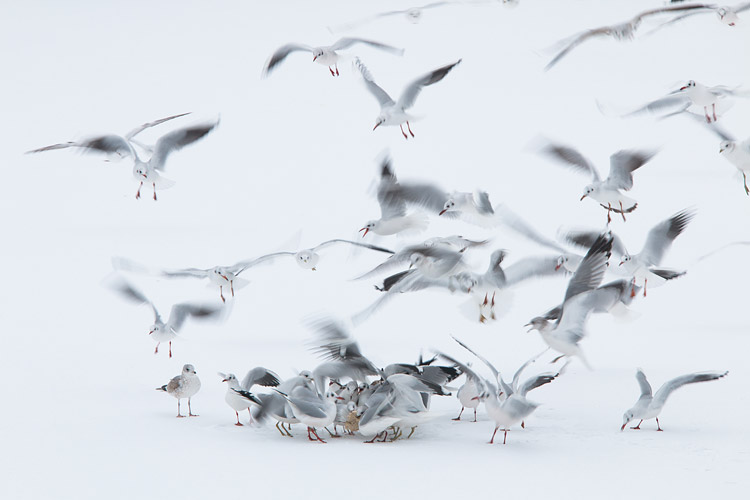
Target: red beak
x=623, y=427
x=558, y=266
x=366, y=230
x=582, y=197
x=443, y=211
x=314, y=57
x=376, y=126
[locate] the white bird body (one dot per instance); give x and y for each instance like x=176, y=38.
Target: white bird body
x=183, y=386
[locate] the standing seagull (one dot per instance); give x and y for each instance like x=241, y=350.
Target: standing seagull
x=326, y=55
x=621, y=31
x=148, y=171
x=162, y=331
x=649, y=406
x=238, y=395
x=185, y=385
x=394, y=113
x=622, y=164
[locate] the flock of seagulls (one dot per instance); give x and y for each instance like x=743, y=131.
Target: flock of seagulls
x=347, y=390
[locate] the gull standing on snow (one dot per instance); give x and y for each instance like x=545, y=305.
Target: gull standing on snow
x=606, y=192
x=162, y=331
x=649, y=406
x=238, y=395
x=149, y=171
x=394, y=112
x=621, y=31
x=183, y=386
x=326, y=55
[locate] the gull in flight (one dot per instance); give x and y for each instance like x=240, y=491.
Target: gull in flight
x=692, y=93
x=606, y=192
x=581, y=299
x=650, y=406
x=727, y=14
x=165, y=331
x=643, y=266
x=736, y=152
x=412, y=14
x=622, y=31
x=183, y=386
x=394, y=112
x=326, y=55
x=148, y=172
x=238, y=395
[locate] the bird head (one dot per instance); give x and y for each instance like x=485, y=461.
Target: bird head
x=587, y=191
x=188, y=370
x=449, y=205
x=626, y=417
x=368, y=227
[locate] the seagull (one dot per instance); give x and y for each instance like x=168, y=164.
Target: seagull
x=412, y=14
x=614, y=297
x=692, y=93
x=579, y=302
x=393, y=219
x=432, y=261
x=606, y=192
x=394, y=113
x=736, y=152
x=326, y=55
x=311, y=409
x=621, y=31
x=238, y=395
x=148, y=172
x=649, y=406
x=308, y=258
x=455, y=241
x=183, y=386
x=162, y=331
x=642, y=266
x=727, y=14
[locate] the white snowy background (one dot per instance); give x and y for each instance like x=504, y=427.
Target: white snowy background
x=295, y=157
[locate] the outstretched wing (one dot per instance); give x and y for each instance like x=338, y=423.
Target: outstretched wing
x=131, y=293
x=346, y=42
x=661, y=236
x=572, y=158
x=260, y=376
x=590, y=272
x=108, y=144
x=575, y=41
x=143, y=127
x=355, y=243
x=410, y=93
x=381, y=95
x=180, y=312
x=281, y=54
x=176, y=140
x=670, y=386
x=622, y=164
x=643, y=383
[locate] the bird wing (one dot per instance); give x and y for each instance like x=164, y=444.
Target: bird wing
x=244, y=265
x=741, y=7
x=665, y=390
x=519, y=225
x=532, y=267
x=670, y=8
x=175, y=384
x=346, y=42
x=575, y=41
x=176, y=140
x=423, y=195
x=410, y=93
x=281, y=54
x=572, y=158
x=190, y=272
x=590, y=272
x=390, y=204
x=480, y=381
x=679, y=102
x=381, y=95
x=132, y=294
x=260, y=376
x=180, y=312
x=643, y=383
x=622, y=164
x=355, y=243
x=108, y=144
x=535, y=382
x=499, y=378
x=143, y=127
x=586, y=239
x=248, y=395
x=661, y=236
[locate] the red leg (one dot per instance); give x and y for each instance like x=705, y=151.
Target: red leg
x=154, y=184
x=505, y=436
x=638, y=427
x=645, y=284
x=238, y=419
x=156, y=351
x=221, y=292
x=401, y=126
x=170, y=355
x=609, y=217
x=409, y=127
x=459, y=415
x=332, y=73
x=632, y=288
x=337, y=68
x=493, y=436
x=231, y=287
x=713, y=106
x=138, y=193
x=658, y=427
x=475, y=414
x=622, y=212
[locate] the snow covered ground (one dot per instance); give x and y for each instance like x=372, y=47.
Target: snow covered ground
x=296, y=152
